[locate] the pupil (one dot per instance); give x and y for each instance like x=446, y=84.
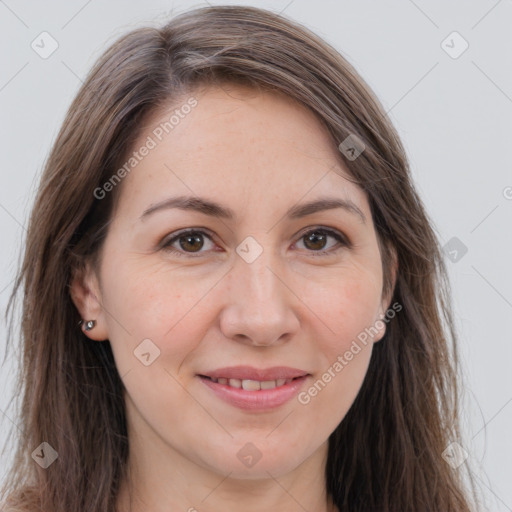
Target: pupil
x=315, y=238
x=190, y=239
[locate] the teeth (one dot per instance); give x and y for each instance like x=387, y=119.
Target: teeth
x=235, y=383
x=252, y=385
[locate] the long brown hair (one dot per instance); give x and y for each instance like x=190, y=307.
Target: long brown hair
x=386, y=455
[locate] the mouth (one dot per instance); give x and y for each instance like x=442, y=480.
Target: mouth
x=252, y=389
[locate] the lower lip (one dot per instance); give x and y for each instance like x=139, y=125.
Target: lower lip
x=262, y=400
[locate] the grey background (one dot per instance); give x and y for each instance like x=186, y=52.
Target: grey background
x=454, y=116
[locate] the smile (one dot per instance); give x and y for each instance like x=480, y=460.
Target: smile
x=255, y=390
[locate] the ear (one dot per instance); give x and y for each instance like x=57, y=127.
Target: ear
x=86, y=296
x=380, y=325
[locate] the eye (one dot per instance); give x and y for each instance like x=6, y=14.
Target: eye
x=316, y=241
x=190, y=242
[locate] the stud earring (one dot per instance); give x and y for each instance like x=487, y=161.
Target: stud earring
x=89, y=325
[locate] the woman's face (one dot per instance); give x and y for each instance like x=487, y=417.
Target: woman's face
x=262, y=291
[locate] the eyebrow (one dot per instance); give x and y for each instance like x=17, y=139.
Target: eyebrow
x=213, y=209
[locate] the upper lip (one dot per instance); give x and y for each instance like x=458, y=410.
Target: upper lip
x=250, y=373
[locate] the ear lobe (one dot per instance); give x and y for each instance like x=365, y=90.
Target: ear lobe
x=380, y=325
x=86, y=296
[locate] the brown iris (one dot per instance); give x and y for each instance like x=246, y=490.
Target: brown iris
x=193, y=242
x=316, y=239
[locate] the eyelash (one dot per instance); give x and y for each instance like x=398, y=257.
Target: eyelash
x=167, y=245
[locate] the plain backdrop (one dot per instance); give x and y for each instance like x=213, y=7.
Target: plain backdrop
x=452, y=108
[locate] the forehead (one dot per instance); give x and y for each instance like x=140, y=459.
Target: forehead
x=238, y=143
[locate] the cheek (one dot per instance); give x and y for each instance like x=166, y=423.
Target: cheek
x=348, y=308
x=152, y=302
x=350, y=313
x=345, y=351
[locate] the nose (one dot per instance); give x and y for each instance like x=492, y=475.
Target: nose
x=261, y=308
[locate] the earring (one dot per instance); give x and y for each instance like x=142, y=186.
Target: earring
x=90, y=324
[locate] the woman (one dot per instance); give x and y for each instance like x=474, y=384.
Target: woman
x=232, y=290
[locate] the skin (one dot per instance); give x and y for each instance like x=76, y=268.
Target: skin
x=257, y=153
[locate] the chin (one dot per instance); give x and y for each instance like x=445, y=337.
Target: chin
x=256, y=460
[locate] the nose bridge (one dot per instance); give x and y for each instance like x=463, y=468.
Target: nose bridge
x=260, y=305
x=256, y=269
